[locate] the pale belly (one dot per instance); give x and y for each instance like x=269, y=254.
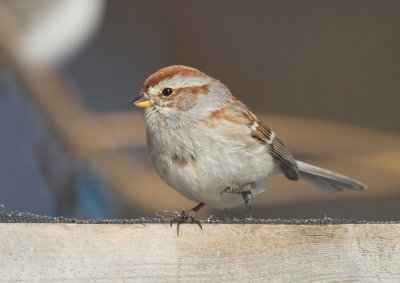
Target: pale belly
x=217, y=164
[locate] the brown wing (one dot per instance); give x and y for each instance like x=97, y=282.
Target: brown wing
x=286, y=161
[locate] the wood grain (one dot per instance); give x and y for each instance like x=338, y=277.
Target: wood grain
x=223, y=252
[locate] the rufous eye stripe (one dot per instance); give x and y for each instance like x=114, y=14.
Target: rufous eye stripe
x=184, y=98
x=196, y=90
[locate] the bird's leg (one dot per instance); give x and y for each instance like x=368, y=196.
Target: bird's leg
x=245, y=191
x=189, y=217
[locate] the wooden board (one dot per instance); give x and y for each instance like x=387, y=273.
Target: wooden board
x=223, y=252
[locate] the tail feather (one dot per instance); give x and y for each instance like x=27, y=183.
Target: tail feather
x=326, y=180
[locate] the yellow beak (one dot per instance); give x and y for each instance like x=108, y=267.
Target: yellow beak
x=143, y=101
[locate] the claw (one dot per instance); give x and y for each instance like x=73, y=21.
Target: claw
x=245, y=191
x=227, y=190
x=184, y=218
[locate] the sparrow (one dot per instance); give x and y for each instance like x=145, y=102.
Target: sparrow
x=207, y=145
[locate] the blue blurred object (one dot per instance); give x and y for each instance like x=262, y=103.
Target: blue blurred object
x=21, y=184
x=93, y=193
x=36, y=172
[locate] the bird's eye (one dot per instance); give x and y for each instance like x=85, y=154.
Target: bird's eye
x=167, y=91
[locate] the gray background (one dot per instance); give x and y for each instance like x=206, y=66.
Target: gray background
x=334, y=60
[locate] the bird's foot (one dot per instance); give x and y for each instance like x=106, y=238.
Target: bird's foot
x=184, y=217
x=245, y=191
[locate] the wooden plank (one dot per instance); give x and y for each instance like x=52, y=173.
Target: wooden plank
x=224, y=252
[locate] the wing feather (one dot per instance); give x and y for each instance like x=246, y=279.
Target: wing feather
x=237, y=112
x=286, y=161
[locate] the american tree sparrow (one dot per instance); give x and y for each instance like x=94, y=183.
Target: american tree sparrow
x=210, y=147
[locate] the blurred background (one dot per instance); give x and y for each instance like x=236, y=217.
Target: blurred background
x=325, y=75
